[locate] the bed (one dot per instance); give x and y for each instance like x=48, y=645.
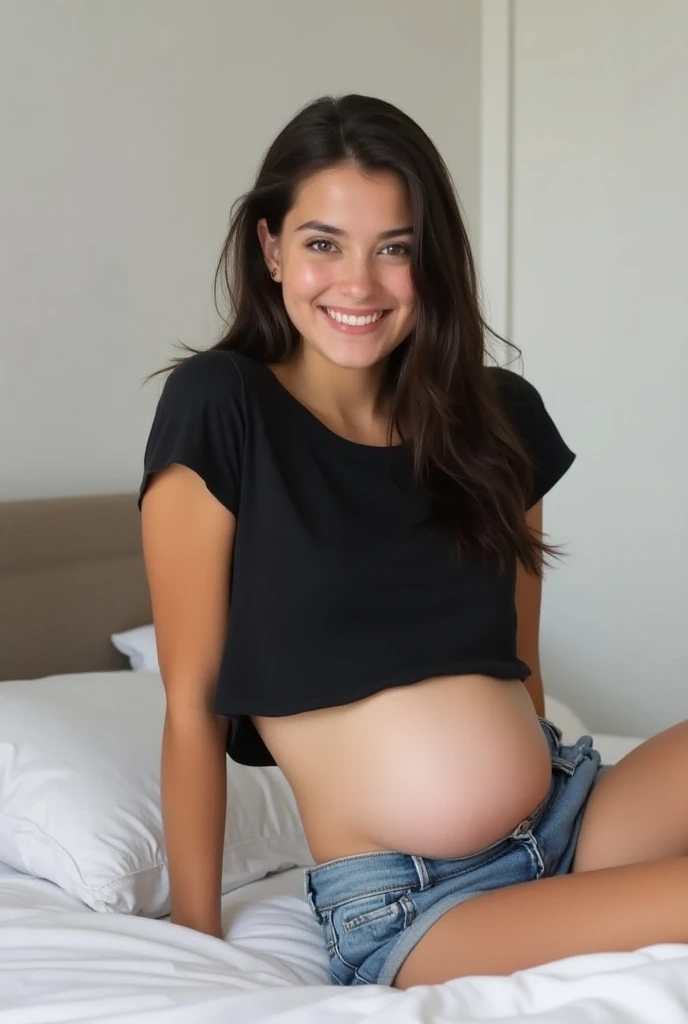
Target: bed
x=71, y=575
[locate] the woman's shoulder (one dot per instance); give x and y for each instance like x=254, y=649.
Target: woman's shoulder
x=515, y=390
x=206, y=366
x=213, y=375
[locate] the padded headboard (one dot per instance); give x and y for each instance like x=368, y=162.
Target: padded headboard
x=71, y=573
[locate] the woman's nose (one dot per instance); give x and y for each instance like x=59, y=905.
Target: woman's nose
x=358, y=279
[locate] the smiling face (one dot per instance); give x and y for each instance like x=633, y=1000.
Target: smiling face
x=343, y=260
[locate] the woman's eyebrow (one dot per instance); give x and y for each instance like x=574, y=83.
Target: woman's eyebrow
x=316, y=225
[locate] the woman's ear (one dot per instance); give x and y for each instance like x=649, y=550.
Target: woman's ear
x=270, y=246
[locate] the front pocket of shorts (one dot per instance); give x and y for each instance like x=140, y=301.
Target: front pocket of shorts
x=370, y=910
x=363, y=925
x=375, y=913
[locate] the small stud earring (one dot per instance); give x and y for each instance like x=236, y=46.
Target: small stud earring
x=273, y=273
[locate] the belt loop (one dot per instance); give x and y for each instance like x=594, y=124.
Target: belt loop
x=421, y=871
x=309, y=894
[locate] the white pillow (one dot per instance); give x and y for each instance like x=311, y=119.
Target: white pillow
x=80, y=794
x=139, y=646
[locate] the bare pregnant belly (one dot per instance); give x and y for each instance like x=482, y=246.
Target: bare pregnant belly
x=439, y=768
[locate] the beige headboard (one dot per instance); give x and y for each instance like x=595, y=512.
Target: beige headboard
x=71, y=573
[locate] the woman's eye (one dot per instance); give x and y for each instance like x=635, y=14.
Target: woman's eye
x=404, y=249
x=319, y=241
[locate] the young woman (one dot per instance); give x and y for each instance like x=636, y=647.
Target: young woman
x=342, y=529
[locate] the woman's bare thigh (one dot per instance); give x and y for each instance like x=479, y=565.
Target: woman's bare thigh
x=638, y=810
x=526, y=925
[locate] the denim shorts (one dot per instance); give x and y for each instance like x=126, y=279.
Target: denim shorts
x=374, y=907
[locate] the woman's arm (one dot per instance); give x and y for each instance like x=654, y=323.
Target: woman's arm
x=528, y=602
x=188, y=540
x=194, y=798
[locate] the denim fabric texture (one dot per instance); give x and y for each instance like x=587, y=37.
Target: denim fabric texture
x=374, y=907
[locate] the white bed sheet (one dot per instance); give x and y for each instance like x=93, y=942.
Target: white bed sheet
x=61, y=962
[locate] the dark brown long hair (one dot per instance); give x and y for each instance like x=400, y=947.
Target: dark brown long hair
x=444, y=402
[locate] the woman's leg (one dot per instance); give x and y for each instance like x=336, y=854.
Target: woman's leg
x=639, y=808
x=532, y=923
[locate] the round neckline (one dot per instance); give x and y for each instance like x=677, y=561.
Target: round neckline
x=315, y=421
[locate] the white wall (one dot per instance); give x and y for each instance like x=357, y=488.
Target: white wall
x=128, y=129
x=600, y=308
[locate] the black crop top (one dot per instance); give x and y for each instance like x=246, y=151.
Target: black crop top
x=335, y=592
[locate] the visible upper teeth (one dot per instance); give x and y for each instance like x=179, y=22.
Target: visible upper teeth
x=354, y=321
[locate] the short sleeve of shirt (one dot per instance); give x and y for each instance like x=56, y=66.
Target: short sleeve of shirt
x=199, y=422
x=549, y=454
